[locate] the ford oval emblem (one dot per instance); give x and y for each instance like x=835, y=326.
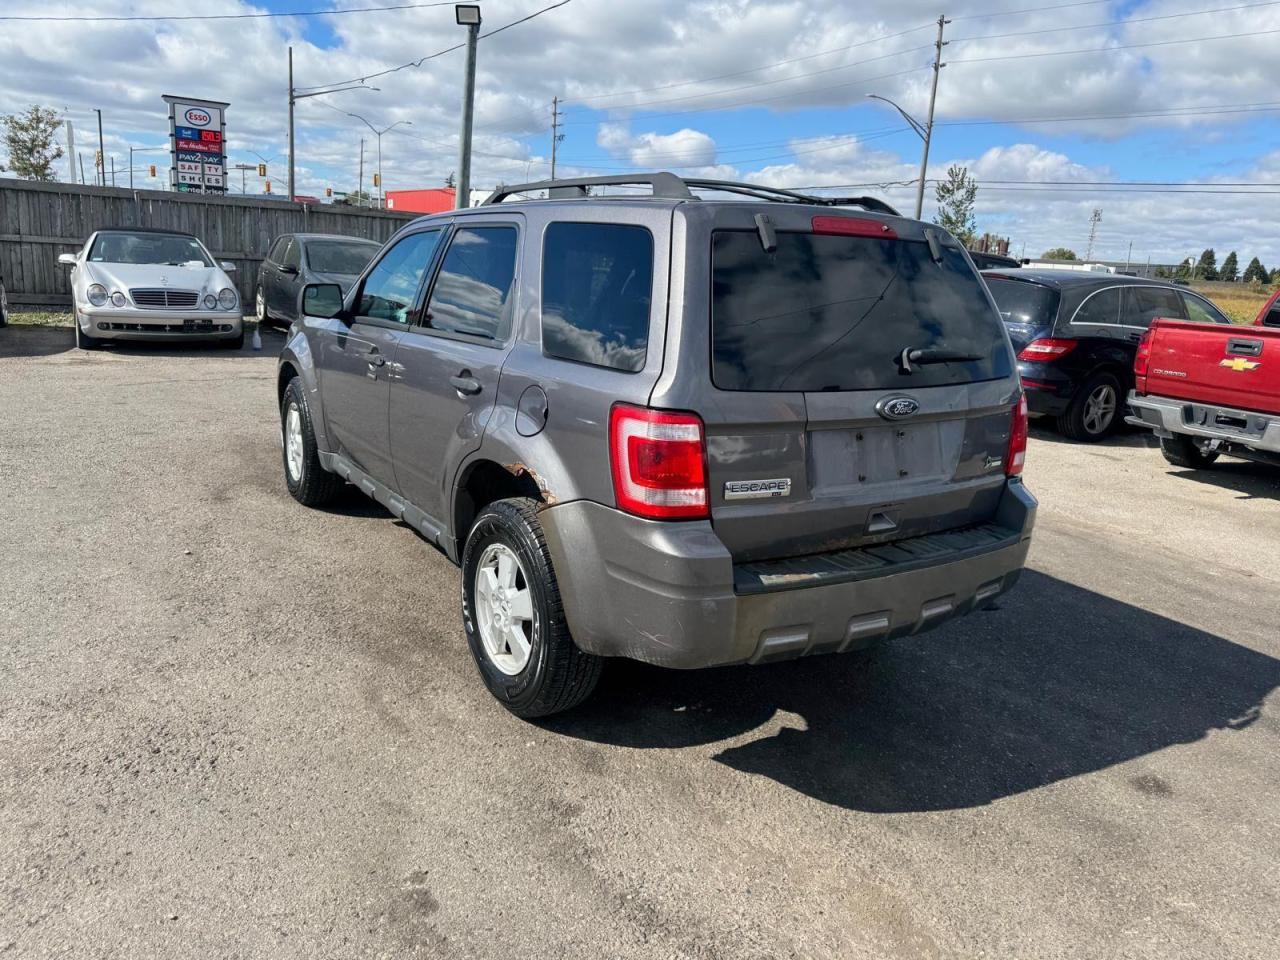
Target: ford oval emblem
x=897, y=408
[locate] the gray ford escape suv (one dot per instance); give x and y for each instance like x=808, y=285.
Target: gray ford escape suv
x=713, y=423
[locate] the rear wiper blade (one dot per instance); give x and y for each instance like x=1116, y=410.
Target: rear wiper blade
x=921, y=357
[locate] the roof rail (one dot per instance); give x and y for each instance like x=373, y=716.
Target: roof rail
x=671, y=187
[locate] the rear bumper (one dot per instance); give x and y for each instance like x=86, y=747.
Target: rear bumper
x=665, y=593
x=1166, y=417
x=1048, y=392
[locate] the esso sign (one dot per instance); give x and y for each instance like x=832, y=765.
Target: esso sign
x=197, y=118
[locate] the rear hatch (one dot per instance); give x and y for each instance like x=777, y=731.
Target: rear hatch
x=819, y=437
x=1027, y=308
x=1229, y=366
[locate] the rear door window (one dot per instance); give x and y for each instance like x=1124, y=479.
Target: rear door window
x=472, y=291
x=835, y=313
x=597, y=285
x=292, y=255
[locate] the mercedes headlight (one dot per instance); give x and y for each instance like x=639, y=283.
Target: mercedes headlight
x=227, y=298
x=210, y=301
x=97, y=294
x=118, y=299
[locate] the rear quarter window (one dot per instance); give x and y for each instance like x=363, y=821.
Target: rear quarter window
x=835, y=313
x=597, y=287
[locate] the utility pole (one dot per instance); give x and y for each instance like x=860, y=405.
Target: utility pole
x=82, y=179
x=292, y=100
x=1093, y=233
x=242, y=167
x=360, y=188
x=468, y=16
x=113, y=170
x=101, y=165
x=71, y=150
x=556, y=135
x=1128, y=256
x=928, y=127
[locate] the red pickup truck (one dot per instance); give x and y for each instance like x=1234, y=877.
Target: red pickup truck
x=1210, y=389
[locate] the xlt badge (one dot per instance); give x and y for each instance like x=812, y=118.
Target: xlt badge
x=757, y=489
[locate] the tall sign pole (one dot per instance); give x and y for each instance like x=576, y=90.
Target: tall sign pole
x=100, y=168
x=468, y=15
x=928, y=127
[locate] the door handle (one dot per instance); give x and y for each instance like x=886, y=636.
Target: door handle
x=375, y=359
x=465, y=384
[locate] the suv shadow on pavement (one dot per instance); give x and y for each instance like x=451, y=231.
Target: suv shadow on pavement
x=988, y=707
x=20, y=340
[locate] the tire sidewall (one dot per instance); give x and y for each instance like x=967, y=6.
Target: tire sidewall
x=293, y=394
x=501, y=525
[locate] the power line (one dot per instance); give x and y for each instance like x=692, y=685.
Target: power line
x=441, y=53
x=228, y=16
x=767, y=66
x=1115, y=23
x=1126, y=46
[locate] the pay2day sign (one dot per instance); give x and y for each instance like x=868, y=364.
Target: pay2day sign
x=197, y=144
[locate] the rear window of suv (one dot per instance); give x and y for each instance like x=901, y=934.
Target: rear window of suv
x=835, y=313
x=1023, y=303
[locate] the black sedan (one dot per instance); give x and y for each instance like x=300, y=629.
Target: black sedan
x=1076, y=334
x=296, y=259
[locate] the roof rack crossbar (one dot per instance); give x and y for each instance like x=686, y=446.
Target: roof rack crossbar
x=671, y=187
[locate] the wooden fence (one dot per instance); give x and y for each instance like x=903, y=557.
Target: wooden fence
x=38, y=221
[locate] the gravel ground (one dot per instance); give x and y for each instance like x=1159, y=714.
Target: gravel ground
x=233, y=727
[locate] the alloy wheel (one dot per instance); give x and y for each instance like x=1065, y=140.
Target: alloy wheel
x=293, y=441
x=1100, y=409
x=504, y=609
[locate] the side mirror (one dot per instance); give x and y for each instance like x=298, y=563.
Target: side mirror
x=322, y=300
x=66, y=259
x=227, y=266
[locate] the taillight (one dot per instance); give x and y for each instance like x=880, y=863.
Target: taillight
x=1016, y=455
x=1046, y=348
x=853, y=227
x=1142, y=359
x=658, y=460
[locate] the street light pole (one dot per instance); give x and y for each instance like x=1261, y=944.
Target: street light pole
x=294, y=97
x=468, y=15
x=928, y=127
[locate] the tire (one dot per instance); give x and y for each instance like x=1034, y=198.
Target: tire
x=555, y=675
x=309, y=483
x=1095, y=412
x=83, y=340
x=1184, y=452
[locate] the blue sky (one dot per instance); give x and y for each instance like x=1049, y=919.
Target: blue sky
x=772, y=90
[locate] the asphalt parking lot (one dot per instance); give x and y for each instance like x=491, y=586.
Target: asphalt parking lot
x=232, y=727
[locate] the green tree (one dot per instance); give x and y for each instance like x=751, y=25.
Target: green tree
x=1230, y=271
x=1275, y=275
x=31, y=139
x=1255, y=272
x=1060, y=253
x=956, y=196
x=1207, y=268
x=1183, y=270
x=356, y=198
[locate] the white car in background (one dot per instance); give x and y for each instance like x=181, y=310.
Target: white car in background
x=133, y=283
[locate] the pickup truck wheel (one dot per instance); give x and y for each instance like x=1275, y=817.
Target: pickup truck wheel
x=309, y=482
x=513, y=617
x=1095, y=411
x=1184, y=452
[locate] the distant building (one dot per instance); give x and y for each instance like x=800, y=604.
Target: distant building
x=430, y=200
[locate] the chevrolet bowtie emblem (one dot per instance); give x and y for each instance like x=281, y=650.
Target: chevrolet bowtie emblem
x=1239, y=364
